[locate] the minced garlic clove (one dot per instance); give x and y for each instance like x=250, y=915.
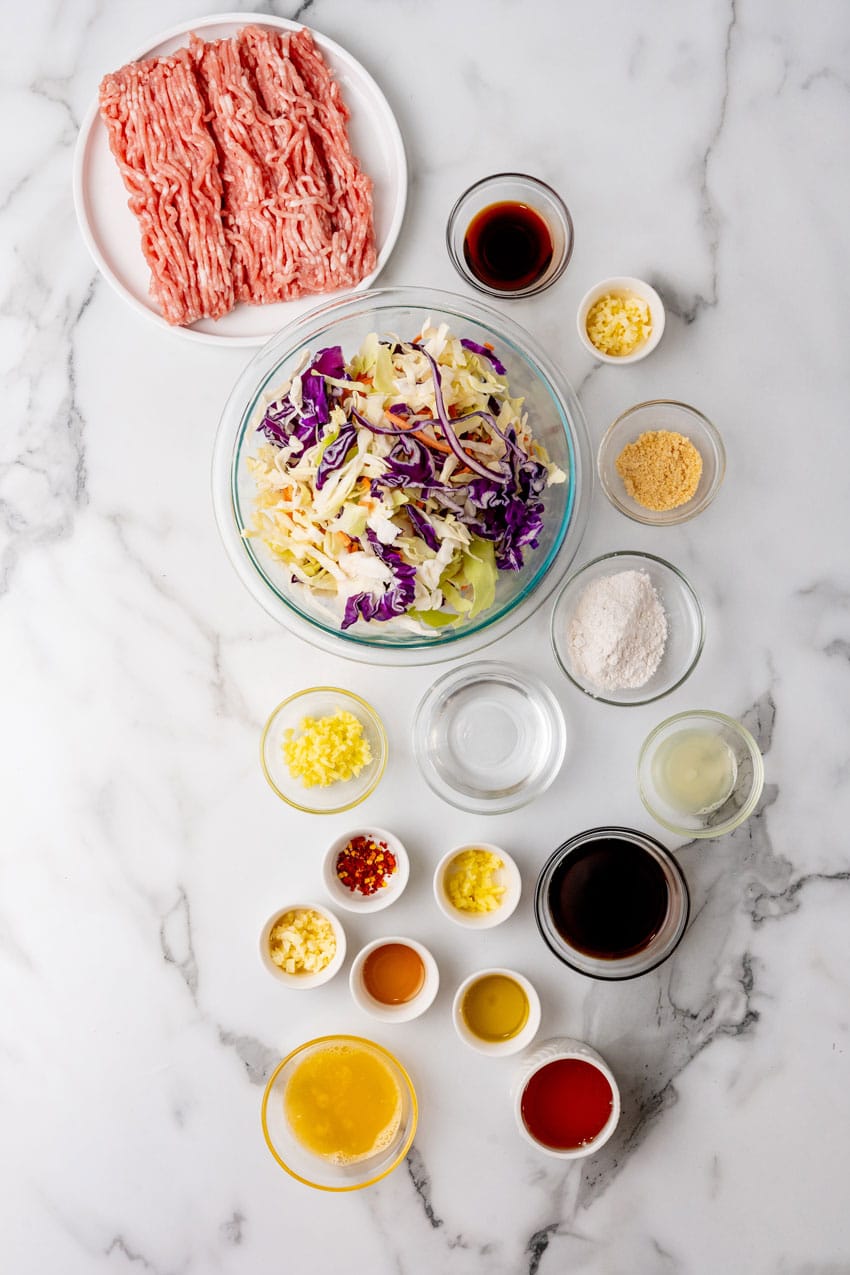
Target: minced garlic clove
x=302, y=941
x=617, y=324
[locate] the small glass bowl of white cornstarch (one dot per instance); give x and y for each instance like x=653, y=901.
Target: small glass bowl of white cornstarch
x=627, y=628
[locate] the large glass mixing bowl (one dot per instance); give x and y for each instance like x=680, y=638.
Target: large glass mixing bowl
x=556, y=421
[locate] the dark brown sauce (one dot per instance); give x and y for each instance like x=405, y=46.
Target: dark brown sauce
x=508, y=246
x=609, y=898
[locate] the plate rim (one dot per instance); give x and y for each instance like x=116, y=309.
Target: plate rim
x=86, y=132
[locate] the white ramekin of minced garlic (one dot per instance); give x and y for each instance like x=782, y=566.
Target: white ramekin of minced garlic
x=302, y=945
x=620, y=320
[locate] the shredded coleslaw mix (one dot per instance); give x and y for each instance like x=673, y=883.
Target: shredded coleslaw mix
x=399, y=484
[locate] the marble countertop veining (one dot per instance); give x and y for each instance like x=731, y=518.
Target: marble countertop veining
x=703, y=147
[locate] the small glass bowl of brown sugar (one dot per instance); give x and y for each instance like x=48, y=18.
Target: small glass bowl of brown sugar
x=661, y=462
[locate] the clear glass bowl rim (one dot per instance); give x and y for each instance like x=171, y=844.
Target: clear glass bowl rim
x=472, y=671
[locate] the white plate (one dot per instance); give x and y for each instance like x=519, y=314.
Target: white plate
x=111, y=231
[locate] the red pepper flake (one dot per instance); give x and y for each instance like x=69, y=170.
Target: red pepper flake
x=365, y=865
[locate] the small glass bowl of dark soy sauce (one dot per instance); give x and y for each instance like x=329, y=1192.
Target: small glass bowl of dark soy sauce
x=612, y=903
x=510, y=235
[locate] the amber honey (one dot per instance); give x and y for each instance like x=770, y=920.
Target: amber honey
x=393, y=974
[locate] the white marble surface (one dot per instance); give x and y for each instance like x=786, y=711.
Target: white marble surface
x=701, y=146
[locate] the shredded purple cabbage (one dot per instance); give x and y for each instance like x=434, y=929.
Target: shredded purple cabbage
x=501, y=504
x=423, y=527
x=329, y=362
x=485, y=353
x=409, y=464
x=396, y=599
x=448, y=427
x=333, y=457
x=278, y=424
x=276, y=420
x=510, y=514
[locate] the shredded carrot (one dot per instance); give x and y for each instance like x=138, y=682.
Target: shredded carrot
x=395, y=420
x=487, y=345
x=418, y=337
x=436, y=444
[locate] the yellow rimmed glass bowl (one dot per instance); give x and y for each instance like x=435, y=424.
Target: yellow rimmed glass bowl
x=316, y=1170
x=317, y=702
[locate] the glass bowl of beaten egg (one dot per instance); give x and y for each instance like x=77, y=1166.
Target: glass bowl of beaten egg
x=323, y=750
x=676, y=476
x=339, y=1113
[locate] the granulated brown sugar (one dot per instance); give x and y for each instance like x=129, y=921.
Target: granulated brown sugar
x=660, y=469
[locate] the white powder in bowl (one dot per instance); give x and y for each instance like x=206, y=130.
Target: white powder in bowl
x=618, y=632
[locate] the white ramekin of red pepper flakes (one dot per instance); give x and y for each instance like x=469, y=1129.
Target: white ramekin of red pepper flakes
x=366, y=869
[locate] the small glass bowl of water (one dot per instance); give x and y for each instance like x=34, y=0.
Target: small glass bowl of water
x=488, y=738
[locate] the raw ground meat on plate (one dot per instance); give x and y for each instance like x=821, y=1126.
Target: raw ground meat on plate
x=236, y=156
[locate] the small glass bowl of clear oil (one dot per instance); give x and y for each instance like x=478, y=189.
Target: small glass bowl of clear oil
x=700, y=774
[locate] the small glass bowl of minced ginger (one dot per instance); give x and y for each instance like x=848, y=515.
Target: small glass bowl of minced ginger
x=323, y=750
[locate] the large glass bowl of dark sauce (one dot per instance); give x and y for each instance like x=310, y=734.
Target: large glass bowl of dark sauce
x=612, y=903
